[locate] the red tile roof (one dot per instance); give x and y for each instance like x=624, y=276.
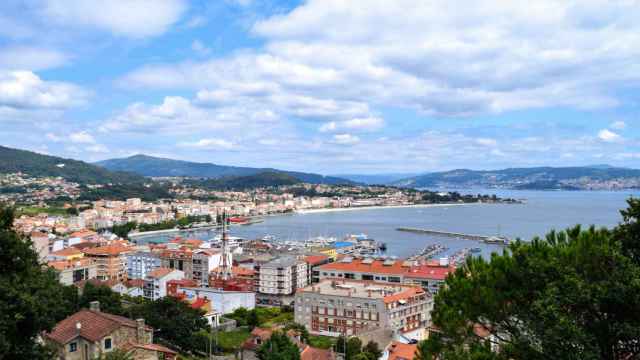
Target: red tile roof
x=404, y=294
x=159, y=273
x=315, y=259
x=377, y=267
x=155, y=347
x=311, y=353
x=401, y=351
x=70, y=251
x=69, y=264
x=94, y=326
x=110, y=250
x=430, y=271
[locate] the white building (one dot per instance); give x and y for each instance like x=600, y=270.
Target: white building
x=139, y=264
x=222, y=302
x=155, y=284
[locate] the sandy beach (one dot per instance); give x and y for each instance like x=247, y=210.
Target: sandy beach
x=326, y=210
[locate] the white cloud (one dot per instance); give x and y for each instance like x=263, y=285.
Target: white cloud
x=130, y=18
x=618, y=125
x=210, y=143
x=345, y=139
x=196, y=21
x=327, y=127
x=82, y=137
x=357, y=124
x=25, y=90
x=98, y=148
x=608, y=136
x=31, y=58
x=487, y=142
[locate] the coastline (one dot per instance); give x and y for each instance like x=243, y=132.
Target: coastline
x=327, y=210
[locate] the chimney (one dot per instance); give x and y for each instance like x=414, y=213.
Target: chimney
x=94, y=306
x=140, y=331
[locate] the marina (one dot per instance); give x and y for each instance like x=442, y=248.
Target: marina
x=496, y=240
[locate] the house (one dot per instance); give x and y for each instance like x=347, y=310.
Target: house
x=131, y=287
x=260, y=335
x=74, y=271
x=89, y=333
x=399, y=351
x=155, y=284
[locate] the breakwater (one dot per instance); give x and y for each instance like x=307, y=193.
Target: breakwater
x=483, y=238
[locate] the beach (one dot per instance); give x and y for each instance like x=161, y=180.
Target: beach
x=326, y=210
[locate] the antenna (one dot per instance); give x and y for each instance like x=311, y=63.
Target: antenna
x=224, y=270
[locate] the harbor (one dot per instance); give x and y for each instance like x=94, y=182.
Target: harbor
x=495, y=240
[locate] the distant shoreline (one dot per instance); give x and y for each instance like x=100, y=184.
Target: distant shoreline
x=355, y=208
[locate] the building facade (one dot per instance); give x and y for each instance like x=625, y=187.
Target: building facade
x=110, y=260
x=351, y=308
x=155, y=284
x=278, y=279
x=139, y=264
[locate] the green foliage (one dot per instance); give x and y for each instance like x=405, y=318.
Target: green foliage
x=173, y=320
x=260, y=180
x=571, y=295
x=278, y=347
x=301, y=329
x=228, y=342
x=123, y=230
x=31, y=300
x=264, y=317
x=35, y=210
x=372, y=351
x=354, y=347
x=146, y=192
x=110, y=301
x=321, y=342
x=38, y=165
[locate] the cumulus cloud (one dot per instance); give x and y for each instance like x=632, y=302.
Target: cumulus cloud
x=82, y=137
x=210, y=143
x=345, y=139
x=32, y=58
x=26, y=90
x=357, y=124
x=608, y=136
x=129, y=18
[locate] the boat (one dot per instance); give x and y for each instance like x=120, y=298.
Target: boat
x=497, y=240
x=476, y=250
x=268, y=238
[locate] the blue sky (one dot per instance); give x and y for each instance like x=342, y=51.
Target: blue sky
x=325, y=85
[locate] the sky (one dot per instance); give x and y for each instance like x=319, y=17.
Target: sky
x=329, y=86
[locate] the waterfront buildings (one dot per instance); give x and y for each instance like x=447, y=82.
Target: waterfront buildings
x=352, y=308
x=74, y=271
x=278, y=279
x=90, y=333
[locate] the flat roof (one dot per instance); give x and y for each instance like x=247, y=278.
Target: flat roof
x=363, y=289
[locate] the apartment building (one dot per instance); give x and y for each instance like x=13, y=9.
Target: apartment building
x=179, y=259
x=351, y=307
x=140, y=264
x=73, y=271
x=111, y=261
x=204, y=261
x=429, y=275
x=155, y=284
x=278, y=279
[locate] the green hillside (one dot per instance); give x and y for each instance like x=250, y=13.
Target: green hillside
x=39, y=165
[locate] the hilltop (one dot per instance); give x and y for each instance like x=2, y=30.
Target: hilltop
x=598, y=177
x=40, y=165
x=161, y=167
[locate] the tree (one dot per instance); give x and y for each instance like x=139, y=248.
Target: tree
x=354, y=347
x=31, y=301
x=572, y=295
x=372, y=351
x=301, y=329
x=278, y=347
x=110, y=301
x=174, y=321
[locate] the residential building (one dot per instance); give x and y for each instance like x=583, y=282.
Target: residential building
x=41, y=245
x=111, y=261
x=141, y=263
x=204, y=261
x=179, y=259
x=278, y=279
x=350, y=307
x=313, y=265
x=66, y=254
x=90, y=333
x=224, y=302
x=73, y=271
x=430, y=276
x=155, y=284
x=131, y=287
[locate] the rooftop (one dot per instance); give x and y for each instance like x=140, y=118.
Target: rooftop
x=282, y=261
x=401, y=351
x=107, y=250
x=430, y=271
x=368, y=265
x=364, y=289
x=160, y=273
x=94, y=326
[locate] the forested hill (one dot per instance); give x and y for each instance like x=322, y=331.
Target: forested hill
x=39, y=165
x=160, y=167
x=264, y=179
x=537, y=178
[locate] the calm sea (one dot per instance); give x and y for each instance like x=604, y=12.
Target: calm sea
x=543, y=211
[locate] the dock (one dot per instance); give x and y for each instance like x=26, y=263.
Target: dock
x=482, y=238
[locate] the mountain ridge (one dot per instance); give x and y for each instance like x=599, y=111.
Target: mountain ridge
x=151, y=166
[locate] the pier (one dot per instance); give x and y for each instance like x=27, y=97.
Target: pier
x=482, y=238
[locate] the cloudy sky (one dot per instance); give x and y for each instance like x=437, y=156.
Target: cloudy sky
x=329, y=86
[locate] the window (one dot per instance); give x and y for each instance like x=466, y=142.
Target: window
x=107, y=343
x=73, y=347
x=367, y=277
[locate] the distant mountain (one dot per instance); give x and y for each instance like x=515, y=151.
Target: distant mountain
x=39, y=165
x=538, y=178
x=159, y=167
x=263, y=179
x=376, y=179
